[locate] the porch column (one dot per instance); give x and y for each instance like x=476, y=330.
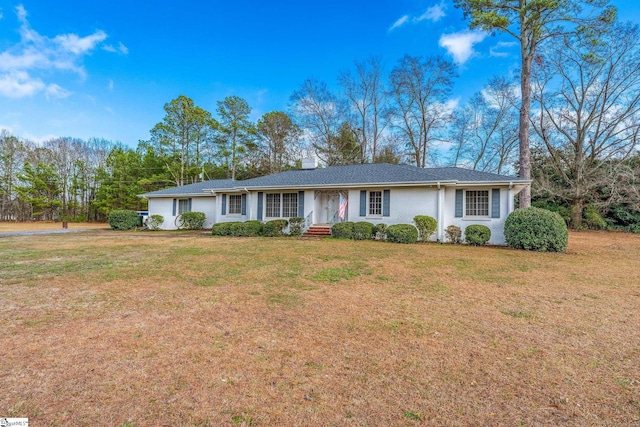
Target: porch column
x=440, y=233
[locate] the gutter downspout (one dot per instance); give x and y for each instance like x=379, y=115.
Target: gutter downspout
x=511, y=199
x=440, y=233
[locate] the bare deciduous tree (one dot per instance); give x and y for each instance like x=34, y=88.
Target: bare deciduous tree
x=420, y=88
x=367, y=99
x=588, y=97
x=485, y=130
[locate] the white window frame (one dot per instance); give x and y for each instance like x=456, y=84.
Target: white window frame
x=371, y=207
x=280, y=209
x=272, y=205
x=476, y=213
x=235, y=206
x=183, y=206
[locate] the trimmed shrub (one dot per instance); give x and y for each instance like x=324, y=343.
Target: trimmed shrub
x=477, y=235
x=251, y=228
x=454, y=234
x=154, y=222
x=223, y=228
x=402, y=233
x=192, y=221
x=236, y=229
x=275, y=227
x=123, y=219
x=426, y=226
x=536, y=229
x=363, y=230
x=295, y=226
x=380, y=231
x=342, y=230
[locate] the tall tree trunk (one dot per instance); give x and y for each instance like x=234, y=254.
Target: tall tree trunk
x=525, y=110
x=577, y=205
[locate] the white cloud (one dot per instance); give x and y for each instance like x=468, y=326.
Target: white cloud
x=399, y=23
x=80, y=45
x=433, y=14
x=121, y=48
x=18, y=84
x=21, y=63
x=55, y=91
x=460, y=44
x=110, y=85
x=1, y=15
x=497, y=49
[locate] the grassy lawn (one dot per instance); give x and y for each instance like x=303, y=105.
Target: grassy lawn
x=147, y=329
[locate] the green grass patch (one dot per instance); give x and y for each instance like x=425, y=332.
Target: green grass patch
x=335, y=274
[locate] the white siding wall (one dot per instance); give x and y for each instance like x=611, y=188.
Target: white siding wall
x=252, y=199
x=405, y=204
x=164, y=206
x=496, y=225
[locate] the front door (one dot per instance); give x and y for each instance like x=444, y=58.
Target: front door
x=333, y=204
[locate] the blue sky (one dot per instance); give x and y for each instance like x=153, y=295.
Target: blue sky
x=105, y=69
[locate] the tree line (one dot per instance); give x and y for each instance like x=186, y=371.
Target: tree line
x=583, y=123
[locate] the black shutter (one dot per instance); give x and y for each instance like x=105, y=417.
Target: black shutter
x=189, y=208
x=174, y=207
x=224, y=204
x=459, y=195
x=243, y=208
x=260, y=203
x=363, y=203
x=386, y=203
x=301, y=204
x=495, y=203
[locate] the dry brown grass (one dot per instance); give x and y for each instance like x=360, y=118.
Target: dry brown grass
x=105, y=328
x=8, y=226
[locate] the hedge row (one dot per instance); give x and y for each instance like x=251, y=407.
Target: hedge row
x=254, y=228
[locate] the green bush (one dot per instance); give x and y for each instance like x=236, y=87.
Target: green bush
x=363, y=230
x=236, y=229
x=154, y=222
x=252, y=228
x=477, y=235
x=295, y=226
x=426, y=226
x=342, y=230
x=592, y=219
x=275, y=227
x=380, y=231
x=402, y=233
x=192, y=221
x=453, y=233
x=223, y=228
x=123, y=219
x=561, y=208
x=536, y=229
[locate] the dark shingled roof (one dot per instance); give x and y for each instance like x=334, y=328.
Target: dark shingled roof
x=193, y=189
x=371, y=174
x=375, y=173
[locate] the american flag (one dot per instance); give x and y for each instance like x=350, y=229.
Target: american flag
x=342, y=209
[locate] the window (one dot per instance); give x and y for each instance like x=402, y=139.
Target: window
x=477, y=203
x=183, y=206
x=375, y=203
x=283, y=205
x=235, y=204
x=273, y=205
x=289, y=205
